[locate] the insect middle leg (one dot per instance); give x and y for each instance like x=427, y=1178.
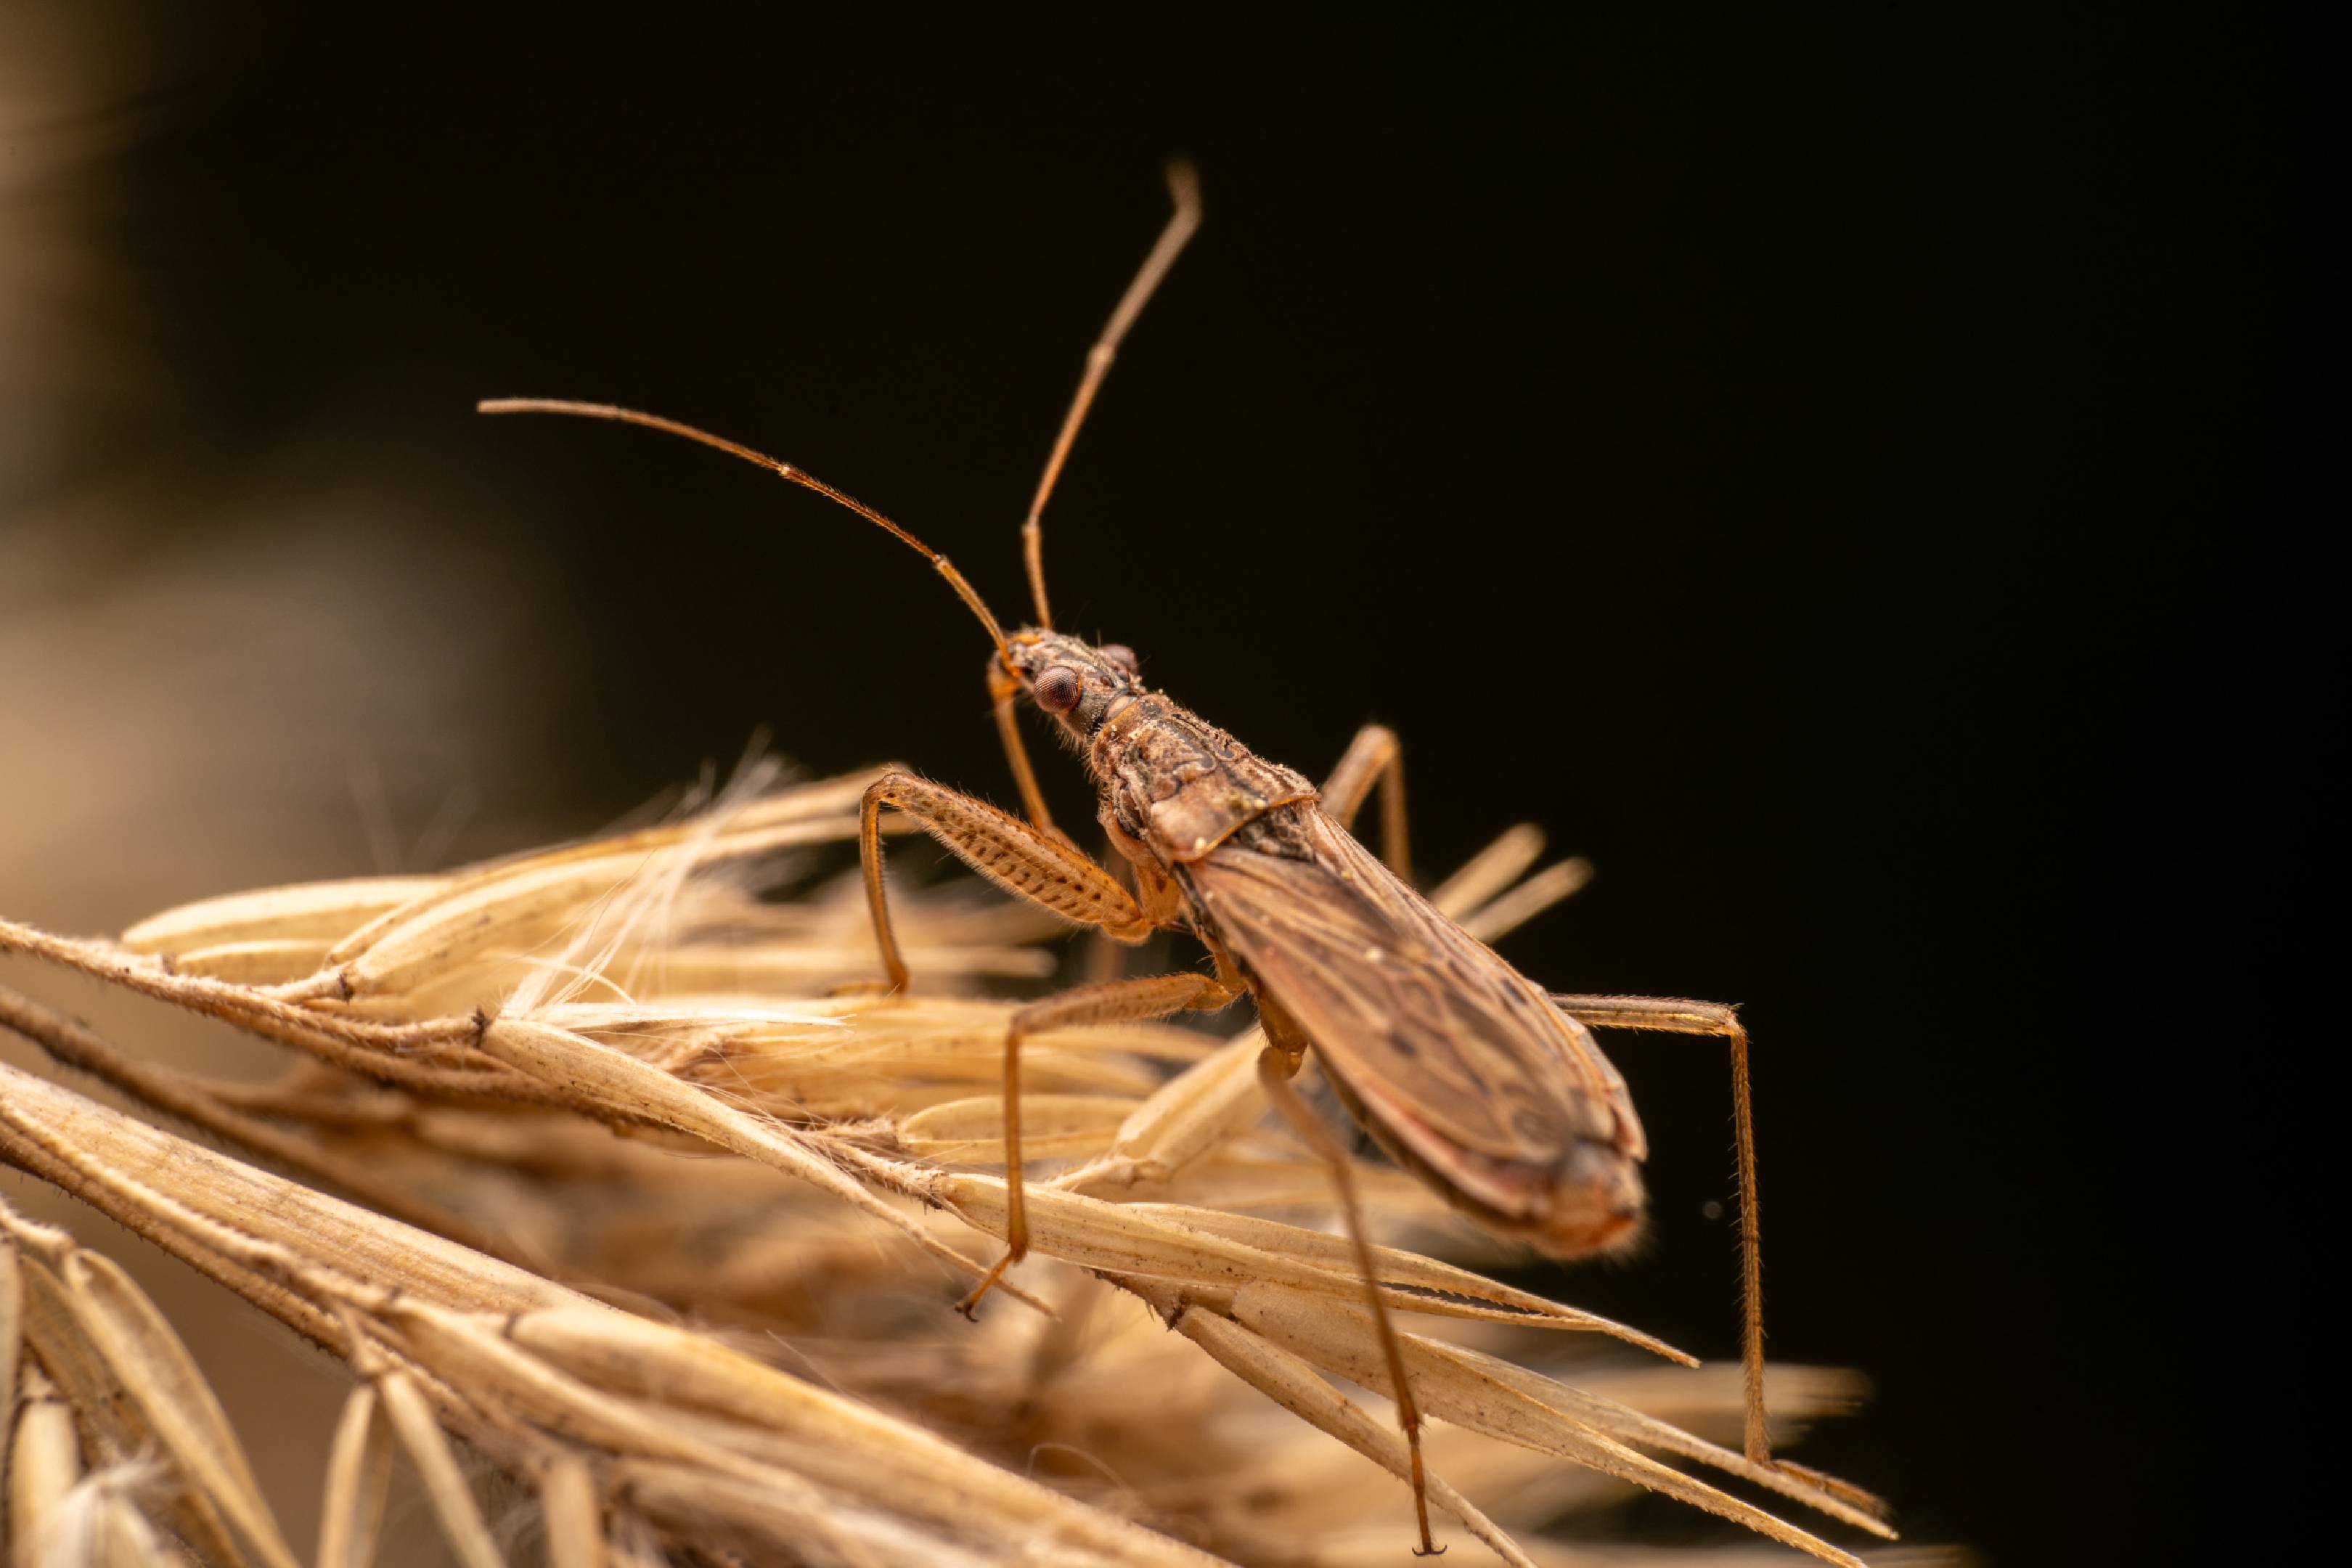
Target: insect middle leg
x=1117, y=1001
x=1039, y=865
x=1277, y=1066
x=1374, y=757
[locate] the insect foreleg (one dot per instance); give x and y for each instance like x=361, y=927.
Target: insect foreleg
x=1036, y=864
x=1678, y=1015
x=1275, y=1066
x=1003, y=688
x=1119, y=1001
x=1374, y=757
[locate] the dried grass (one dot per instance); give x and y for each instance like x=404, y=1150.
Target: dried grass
x=516, y=1186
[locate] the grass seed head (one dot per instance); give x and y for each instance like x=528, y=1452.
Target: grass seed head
x=654, y=1220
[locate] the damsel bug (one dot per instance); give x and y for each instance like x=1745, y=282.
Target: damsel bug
x=1465, y=1070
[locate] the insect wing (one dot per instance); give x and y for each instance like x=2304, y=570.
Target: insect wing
x=1448, y=1045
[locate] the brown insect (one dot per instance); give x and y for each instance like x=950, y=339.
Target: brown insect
x=1464, y=1069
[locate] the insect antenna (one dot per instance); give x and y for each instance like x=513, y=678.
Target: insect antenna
x=801, y=477
x=1184, y=190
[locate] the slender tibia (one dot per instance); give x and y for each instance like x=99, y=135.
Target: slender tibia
x=1678, y=1015
x=1275, y=1067
x=1119, y=1001
x=1003, y=688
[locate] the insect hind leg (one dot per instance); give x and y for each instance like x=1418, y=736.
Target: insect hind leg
x=1679, y=1016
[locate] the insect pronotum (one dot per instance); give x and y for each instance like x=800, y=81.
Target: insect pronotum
x=1469, y=1074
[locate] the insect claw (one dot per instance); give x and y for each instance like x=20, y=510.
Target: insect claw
x=1845, y=1491
x=969, y=1305
x=1428, y=1547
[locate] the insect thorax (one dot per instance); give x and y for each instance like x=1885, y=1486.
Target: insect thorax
x=1181, y=784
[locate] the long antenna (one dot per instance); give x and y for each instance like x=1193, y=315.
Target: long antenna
x=1184, y=190
x=801, y=477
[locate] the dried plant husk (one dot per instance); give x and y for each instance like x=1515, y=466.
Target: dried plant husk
x=590, y=1171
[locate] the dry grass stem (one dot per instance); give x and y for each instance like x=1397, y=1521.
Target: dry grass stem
x=358, y=1483
x=586, y=1167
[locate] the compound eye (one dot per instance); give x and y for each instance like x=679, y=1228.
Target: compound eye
x=1119, y=653
x=1057, y=690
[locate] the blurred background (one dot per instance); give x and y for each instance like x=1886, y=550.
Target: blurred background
x=1827, y=470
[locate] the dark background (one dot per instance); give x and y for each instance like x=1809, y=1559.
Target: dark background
x=1836, y=474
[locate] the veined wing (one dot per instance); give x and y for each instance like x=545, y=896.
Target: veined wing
x=1446, y=1044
